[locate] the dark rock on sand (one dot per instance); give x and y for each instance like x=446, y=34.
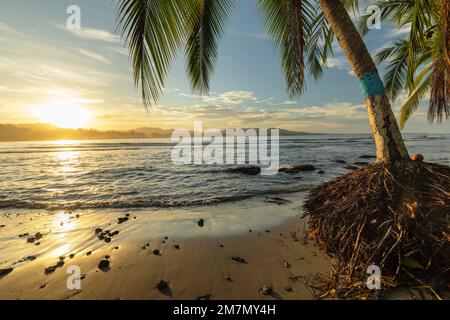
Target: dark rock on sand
x=29, y=258
x=49, y=270
x=321, y=172
x=162, y=285
x=108, y=240
x=248, y=170
x=201, y=223
x=351, y=167
x=366, y=156
x=362, y=163
x=4, y=272
x=288, y=289
x=42, y=286
x=71, y=256
x=297, y=168
x=156, y=252
x=239, y=259
x=278, y=201
x=88, y=253
x=205, y=297
x=31, y=240
x=177, y=247
x=266, y=290
x=98, y=230
x=38, y=236
x=23, y=235
x=122, y=220
x=104, y=265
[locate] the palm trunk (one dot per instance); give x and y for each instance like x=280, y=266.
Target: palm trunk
x=388, y=139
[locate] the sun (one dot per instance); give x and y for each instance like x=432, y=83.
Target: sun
x=64, y=114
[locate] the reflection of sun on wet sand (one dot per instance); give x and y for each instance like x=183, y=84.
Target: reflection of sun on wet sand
x=236, y=253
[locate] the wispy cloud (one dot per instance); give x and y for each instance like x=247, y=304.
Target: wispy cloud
x=93, y=55
x=7, y=29
x=92, y=34
x=400, y=32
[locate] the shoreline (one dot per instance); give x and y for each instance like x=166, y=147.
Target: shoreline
x=240, y=248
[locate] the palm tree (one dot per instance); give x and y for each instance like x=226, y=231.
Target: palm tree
x=303, y=30
x=420, y=64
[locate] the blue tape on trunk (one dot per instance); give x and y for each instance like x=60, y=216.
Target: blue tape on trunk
x=371, y=85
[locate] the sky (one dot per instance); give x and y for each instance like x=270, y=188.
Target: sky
x=49, y=73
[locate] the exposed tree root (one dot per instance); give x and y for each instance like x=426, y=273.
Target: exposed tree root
x=393, y=215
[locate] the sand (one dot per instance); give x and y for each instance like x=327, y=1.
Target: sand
x=196, y=262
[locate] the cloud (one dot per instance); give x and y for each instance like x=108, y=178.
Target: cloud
x=5, y=28
x=231, y=97
x=398, y=32
x=93, y=55
x=92, y=34
x=313, y=118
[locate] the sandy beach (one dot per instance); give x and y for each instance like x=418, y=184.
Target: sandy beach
x=239, y=249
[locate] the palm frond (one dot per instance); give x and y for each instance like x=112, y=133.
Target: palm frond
x=395, y=11
x=439, y=98
x=396, y=54
x=286, y=22
x=413, y=101
x=153, y=31
x=208, y=19
x=319, y=45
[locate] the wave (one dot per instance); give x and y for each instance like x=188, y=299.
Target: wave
x=139, y=202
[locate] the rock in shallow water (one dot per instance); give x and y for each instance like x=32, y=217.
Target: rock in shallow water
x=249, y=170
x=297, y=168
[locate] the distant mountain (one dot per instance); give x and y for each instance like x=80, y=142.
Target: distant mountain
x=35, y=132
x=155, y=132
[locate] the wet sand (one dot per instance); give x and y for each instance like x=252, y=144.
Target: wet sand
x=240, y=248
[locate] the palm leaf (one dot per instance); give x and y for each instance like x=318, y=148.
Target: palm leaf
x=413, y=101
x=396, y=54
x=319, y=45
x=206, y=30
x=153, y=31
x=439, y=98
x=286, y=22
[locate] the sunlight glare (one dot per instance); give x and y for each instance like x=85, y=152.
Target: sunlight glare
x=64, y=114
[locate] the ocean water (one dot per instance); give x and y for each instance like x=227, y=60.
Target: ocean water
x=135, y=174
